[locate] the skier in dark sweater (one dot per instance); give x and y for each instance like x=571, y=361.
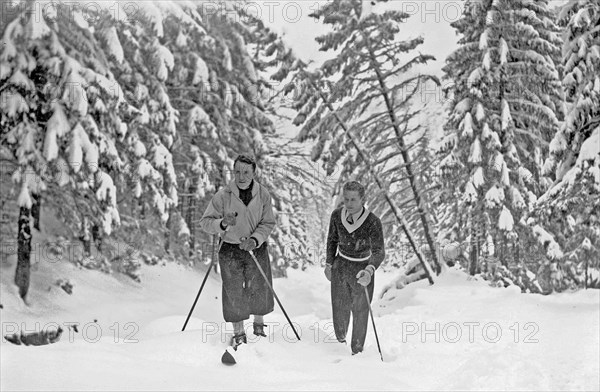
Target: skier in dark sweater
x=355, y=249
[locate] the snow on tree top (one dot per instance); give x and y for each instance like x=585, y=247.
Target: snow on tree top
x=590, y=148
x=75, y=95
x=470, y=192
x=24, y=199
x=12, y=103
x=517, y=199
x=37, y=28
x=139, y=150
x=19, y=79
x=145, y=169
x=165, y=61
x=553, y=250
x=494, y=196
x=503, y=51
x=483, y=40
x=506, y=117
x=9, y=51
x=480, y=112
x=474, y=77
x=467, y=125
x=81, y=20
x=478, y=178
x=525, y=175
x=505, y=221
x=201, y=74
x=57, y=126
x=106, y=190
x=475, y=155
x=110, y=218
x=114, y=45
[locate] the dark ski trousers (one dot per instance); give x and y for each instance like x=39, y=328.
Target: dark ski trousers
x=348, y=297
x=245, y=291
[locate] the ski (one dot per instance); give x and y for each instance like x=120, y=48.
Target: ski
x=228, y=358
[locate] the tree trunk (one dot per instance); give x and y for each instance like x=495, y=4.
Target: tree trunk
x=503, y=248
x=35, y=210
x=517, y=251
x=86, y=237
x=169, y=228
x=586, y=272
x=23, y=270
x=190, y=217
x=482, y=235
x=98, y=236
x=412, y=179
x=473, y=237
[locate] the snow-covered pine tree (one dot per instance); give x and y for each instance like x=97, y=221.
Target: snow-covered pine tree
x=227, y=61
x=204, y=89
x=505, y=99
x=78, y=62
x=148, y=188
x=357, y=106
x=49, y=122
x=570, y=208
x=298, y=194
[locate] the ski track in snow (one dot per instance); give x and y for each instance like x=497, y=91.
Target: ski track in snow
x=565, y=356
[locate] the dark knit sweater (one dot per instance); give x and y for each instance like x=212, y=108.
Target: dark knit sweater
x=246, y=198
x=367, y=239
x=246, y=194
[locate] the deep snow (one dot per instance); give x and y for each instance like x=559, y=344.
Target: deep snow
x=479, y=344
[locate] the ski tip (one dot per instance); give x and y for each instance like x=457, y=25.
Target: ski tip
x=227, y=358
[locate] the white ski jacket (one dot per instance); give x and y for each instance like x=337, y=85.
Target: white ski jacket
x=254, y=220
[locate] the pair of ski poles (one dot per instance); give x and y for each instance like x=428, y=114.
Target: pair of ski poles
x=262, y=272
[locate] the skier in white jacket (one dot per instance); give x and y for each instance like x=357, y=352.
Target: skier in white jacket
x=242, y=214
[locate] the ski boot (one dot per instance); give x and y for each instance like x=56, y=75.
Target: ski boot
x=238, y=340
x=259, y=329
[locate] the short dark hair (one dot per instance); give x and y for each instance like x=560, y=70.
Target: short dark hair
x=355, y=186
x=245, y=159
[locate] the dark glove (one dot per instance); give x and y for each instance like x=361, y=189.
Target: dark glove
x=328, y=272
x=364, y=276
x=248, y=244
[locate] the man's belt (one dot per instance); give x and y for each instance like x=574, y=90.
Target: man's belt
x=353, y=258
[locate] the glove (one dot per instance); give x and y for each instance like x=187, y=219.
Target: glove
x=328, y=272
x=248, y=244
x=230, y=219
x=364, y=276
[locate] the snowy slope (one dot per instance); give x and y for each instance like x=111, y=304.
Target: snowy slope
x=558, y=351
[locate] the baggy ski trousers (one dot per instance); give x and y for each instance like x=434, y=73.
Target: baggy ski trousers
x=245, y=291
x=348, y=297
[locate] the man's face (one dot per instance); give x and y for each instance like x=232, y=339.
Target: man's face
x=243, y=174
x=352, y=201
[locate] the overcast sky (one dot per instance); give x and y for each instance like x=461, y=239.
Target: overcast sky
x=430, y=19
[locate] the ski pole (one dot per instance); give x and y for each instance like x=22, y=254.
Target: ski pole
x=373, y=321
x=199, y=292
x=274, y=294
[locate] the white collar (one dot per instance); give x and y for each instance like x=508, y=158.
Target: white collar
x=358, y=219
x=355, y=216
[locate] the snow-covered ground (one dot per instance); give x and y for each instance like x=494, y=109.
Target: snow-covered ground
x=458, y=334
